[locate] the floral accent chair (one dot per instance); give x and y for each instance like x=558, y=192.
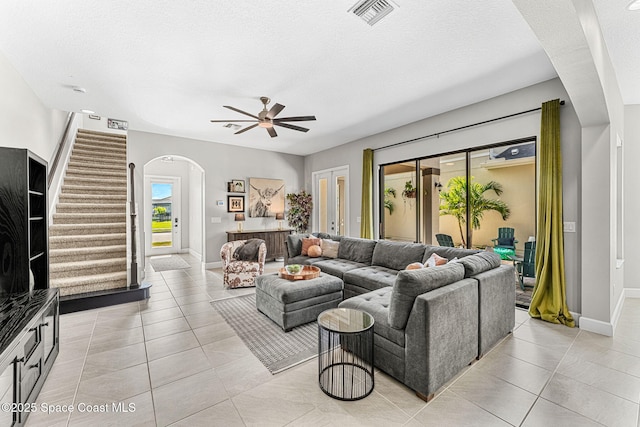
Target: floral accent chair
x=238, y=273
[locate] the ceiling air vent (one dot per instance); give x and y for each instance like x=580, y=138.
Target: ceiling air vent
x=372, y=11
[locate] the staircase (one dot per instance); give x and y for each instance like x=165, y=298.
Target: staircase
x=87, y=240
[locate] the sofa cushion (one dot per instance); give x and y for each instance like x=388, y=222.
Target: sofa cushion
x=411, y=283
x=356, y=250
x=396, y=255
x=330, y=248
x=337, y=267
x=304, y=259
x=480, y=262
x=448, y=253
x=308, y=242
x=376, y=303
x=294, y=244
x=371, y=277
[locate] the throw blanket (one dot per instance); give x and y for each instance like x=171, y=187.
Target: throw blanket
x=248, y=251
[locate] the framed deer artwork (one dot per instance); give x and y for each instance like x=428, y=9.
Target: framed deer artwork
x=266, y=197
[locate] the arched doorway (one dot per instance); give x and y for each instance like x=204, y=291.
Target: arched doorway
x=174, y=206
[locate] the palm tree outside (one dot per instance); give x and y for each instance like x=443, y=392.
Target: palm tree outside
x=454, y=202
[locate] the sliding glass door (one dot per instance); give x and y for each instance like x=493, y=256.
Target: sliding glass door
x=428, y=198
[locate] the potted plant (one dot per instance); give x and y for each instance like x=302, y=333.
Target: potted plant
x=388, y=203
x=300, y=208
x=409, y=191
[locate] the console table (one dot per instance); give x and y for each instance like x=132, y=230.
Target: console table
x=275, y=240
x=29, y=344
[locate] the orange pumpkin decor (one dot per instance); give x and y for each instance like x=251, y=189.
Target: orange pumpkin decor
x=415, y=266
x=314, y=251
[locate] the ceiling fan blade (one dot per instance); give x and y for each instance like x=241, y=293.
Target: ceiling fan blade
x=296, y=119
x=230, y=121
x=272, y=132
x=285, y=125
x=274, y=111
x=246, y=129
x=241, y=112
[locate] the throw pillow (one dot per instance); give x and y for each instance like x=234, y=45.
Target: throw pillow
x=249, y=251
x=505, y=241
x=330, y=248
x=435, y=259
x=308, y=242
x=314, y=251
x=415, y=266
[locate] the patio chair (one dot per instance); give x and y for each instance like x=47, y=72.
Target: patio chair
x=444, y=240
x=505, y=243
x=526, y=266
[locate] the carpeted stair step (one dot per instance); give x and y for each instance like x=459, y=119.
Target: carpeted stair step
x=87, y=254
x=91, y=208
x=98, y=282
x=74, y=163
x=92, y=159
x=88, y=218
x=80, y=229
x=107, y=147
x=93, y=173
x=86, y=240
x=88, y=189
x=95, y=135
x=111, y=155
x=86, y=180
x=92, y=198
x=60, y=270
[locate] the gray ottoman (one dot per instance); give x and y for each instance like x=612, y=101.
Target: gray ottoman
x=294, y=303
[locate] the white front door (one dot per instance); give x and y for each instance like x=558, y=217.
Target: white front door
x=162, y=222
x=330, y=201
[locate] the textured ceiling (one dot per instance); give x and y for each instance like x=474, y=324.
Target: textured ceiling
x=169, y=66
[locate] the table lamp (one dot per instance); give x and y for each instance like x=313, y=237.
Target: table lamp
x=280, y=217
x=239, y=220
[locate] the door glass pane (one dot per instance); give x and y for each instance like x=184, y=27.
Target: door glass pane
x=161, y=219
x=340, y=205
x=503, y=192
x=323, y=211
x=400, y=204
x=452, y=209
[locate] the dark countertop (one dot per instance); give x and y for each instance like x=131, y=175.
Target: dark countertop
x=16, y=311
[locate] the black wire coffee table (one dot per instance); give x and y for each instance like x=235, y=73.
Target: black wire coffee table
x=345, y=353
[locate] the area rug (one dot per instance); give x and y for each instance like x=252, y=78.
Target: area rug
x=167, y=262
x=276, y=349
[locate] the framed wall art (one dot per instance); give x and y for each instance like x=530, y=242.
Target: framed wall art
x=235, y=203
x=236, y=186
x=266, y=197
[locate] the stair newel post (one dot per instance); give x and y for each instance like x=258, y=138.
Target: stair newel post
x=133, y=214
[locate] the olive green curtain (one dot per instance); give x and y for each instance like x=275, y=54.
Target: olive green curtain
x=366, y=212
x=549, y=300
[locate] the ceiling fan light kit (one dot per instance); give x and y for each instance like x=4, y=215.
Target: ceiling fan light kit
x=267, y=119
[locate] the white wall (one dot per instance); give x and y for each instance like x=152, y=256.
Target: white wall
x=24, y=121
x=221, y=163
x=518, y=127
x=196, y=198
x=631, y=144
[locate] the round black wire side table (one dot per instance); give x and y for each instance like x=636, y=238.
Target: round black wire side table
x=345, y=353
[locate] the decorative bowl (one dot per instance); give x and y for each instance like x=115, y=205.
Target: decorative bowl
x=293, y=268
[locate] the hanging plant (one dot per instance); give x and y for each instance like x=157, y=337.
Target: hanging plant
x=409, y=191
x=300, y=208
x=388, y=203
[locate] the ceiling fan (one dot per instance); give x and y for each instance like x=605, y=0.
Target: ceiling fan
x=267, y=118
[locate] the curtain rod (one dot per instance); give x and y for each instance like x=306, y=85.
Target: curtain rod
x=437, y=134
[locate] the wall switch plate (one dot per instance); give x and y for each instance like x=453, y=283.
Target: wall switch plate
x=569, y=227
x=358, y=220
x=216, y=220
x=219, y=203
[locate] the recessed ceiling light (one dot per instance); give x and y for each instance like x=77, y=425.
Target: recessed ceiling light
x=634, y=5
x=87, y=111
x=449, y=163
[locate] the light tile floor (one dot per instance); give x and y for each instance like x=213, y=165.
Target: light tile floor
x=172, y=360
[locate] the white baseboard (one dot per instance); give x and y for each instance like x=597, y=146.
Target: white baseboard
x=576, y=317
x=195, y=254
x=596, y=326
x=216, y=264
x=631, y=292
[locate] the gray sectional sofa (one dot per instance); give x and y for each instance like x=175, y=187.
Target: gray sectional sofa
x=429, y=323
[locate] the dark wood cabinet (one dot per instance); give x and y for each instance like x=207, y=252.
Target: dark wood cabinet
x=29, y=344
x=274, y=239
x=23, y=222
